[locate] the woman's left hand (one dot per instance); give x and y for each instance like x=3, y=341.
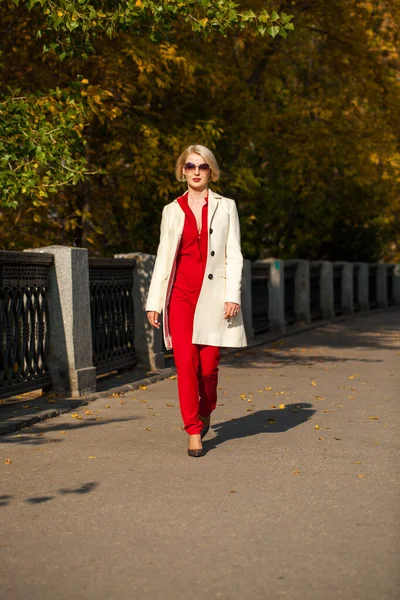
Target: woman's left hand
x=231, y=310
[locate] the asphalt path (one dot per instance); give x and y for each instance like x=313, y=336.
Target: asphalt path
x=297, y=496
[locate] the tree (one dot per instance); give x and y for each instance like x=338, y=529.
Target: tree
x=305, y=129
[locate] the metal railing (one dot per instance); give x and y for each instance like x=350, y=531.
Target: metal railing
x=24, y=322
x=356, y=281
x=315, y=290
x=112, y=313
x=337, y=288
x=389, y=285
x=373, y=286
x=260, y=275
x=290, y=269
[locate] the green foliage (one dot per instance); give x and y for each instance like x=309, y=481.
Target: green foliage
x=41, y=145
x=305, y=128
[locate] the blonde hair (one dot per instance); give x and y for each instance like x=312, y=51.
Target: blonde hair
x=205, y=153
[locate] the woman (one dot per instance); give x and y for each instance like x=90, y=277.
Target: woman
x=196, y=283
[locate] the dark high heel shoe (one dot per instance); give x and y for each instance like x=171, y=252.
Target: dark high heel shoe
x=204, y=431
x=196, y=453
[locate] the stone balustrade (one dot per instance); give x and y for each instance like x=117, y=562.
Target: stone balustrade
x=276, y=294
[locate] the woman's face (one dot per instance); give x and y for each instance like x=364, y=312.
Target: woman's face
x=196, y=178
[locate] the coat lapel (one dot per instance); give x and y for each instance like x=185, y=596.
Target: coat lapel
x=213, y=201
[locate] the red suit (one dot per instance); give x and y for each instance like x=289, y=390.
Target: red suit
x=197, y=365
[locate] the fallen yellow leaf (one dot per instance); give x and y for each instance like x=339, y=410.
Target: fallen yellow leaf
x=356, y=462
x=76, y=416
x=142, y=387
x=360, y=475
x=249, y=400
x=296, y=472
x=8, y=461
x=63, y=432
x=268, y=388
x=373, y=418
x=321, y=439
x=316, y=427
x=148, y=429
x=282, y=406
x=319, y=398
x=91, y=457
x=170, y=405
x=88, y=412
x=26, y=406
x=243, y=396
x=376, y=442
x=313, y=383
x=233, y=491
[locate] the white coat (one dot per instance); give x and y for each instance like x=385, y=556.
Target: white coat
x=222, y=277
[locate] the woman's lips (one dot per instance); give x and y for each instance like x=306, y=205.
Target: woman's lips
x=196, y=178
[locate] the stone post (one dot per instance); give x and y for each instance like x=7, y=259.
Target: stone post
x=302, y=292
x=363, y=286
x=347, y=288
x=396, y=284
x=326, y=298
x=70, y=352
x=382, y=285
x=247, y=300
x=148, y=340
x=276, y=293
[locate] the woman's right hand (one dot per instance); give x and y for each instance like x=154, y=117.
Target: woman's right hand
x=153, y=318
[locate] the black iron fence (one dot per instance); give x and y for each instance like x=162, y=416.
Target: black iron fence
x=389, y=285
x=24, y=321
x=260, y=275
x=112, y=313
x=338, y=288
x=290, y=269
x=356, y=286
x=373, y=286
x=315, y=290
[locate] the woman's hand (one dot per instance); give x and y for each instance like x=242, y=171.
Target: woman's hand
x=153, y=318
x=231, y=310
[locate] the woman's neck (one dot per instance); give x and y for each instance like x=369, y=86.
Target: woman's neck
x=195, y=196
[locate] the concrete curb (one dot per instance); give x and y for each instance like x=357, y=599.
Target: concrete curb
x=68, y=404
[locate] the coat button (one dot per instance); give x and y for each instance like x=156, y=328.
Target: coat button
x=212, y=253
x=210, y=276
x=211, y=230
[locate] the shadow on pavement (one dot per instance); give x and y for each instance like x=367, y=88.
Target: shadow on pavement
x=35, y=437
x=84, y=488
x=262, y=421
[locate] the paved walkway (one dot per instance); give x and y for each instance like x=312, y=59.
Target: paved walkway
x=298, y=503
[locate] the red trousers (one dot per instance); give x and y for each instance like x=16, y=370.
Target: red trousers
x=197, y=365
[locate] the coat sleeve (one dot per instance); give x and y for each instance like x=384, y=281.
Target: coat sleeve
x=155, y=297
x=234, y=258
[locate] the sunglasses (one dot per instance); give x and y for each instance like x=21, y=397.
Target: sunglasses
x=190, y=167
